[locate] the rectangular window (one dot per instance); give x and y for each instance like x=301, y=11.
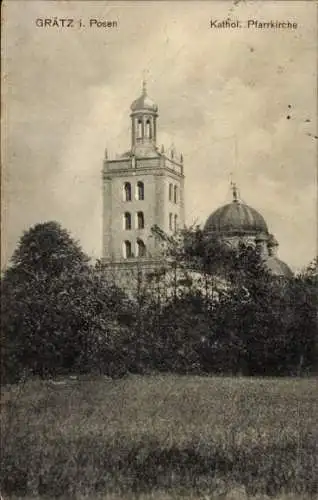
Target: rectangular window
x=175, y=194
x=127, y=220
x=141, y=248
x=127, y=250
x=170, y=192
x=140, y=220
x=140, y=194
x=127, y=191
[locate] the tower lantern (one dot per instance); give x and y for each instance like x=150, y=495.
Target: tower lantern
x=144, y=113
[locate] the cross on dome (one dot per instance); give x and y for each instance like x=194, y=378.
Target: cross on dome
x=235, y=191
x=144, y=87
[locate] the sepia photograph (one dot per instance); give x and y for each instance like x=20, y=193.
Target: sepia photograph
x=159, y=250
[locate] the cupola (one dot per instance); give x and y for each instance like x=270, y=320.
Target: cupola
x=236, y=219
x=144, y=113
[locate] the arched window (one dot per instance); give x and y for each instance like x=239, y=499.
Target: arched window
x=139, y=129
x=127, y=250
x=141, y=248
x=175, y=222
x=175, y=194
x=170, y=192
x=127, y=191
x=127, y=220
x=170, y=221
x=140, y=191
x=148, y=129
x=140, y=220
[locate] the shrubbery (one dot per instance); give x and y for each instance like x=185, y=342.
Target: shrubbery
x=60, y=314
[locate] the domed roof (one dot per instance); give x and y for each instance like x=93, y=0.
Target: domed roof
x=236, y=218
x=144, y=102
x=277, y=267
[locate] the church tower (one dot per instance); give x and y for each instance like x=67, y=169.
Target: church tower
x=142, y=188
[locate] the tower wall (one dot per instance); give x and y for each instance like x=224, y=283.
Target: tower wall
x=156, y=206
x=128, y=220
x=108, y=206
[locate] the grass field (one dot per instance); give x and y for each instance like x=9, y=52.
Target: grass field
x=161, y=437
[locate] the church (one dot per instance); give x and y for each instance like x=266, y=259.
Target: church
x=144, y=187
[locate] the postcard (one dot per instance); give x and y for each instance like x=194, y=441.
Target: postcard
x=159, y=248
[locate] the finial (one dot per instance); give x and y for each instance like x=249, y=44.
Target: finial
x=235, y=192
x=144, y=82
x=162, y=148
x=234, y=189
x=106, y=153
x=181, y=158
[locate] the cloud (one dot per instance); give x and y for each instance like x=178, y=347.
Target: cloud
x=223, y=99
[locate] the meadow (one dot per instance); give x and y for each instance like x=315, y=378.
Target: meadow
x=161, y=437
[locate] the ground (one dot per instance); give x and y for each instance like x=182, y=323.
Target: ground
x=161, y=437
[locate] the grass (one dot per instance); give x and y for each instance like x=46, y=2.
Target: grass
x=161, y=437
x=234, y=494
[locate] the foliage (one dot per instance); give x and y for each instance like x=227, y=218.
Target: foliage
x=47, y=248
x=209, y=309
x=247, y=321
x=59, y=314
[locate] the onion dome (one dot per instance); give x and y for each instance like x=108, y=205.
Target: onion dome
x=144, y=103
x=236, y=218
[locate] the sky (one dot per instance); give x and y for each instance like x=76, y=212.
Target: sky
x=240, y=101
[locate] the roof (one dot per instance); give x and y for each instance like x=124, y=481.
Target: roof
x=277, y=267
x=236, y=218
x=144, y=103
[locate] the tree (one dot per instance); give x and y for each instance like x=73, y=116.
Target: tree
x=47, y=248
x=304, y=325
x=251, y=319
x=59, y=314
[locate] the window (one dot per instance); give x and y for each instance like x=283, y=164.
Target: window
x=148, y=129
x=141, y=248
x=175, y=194
x=139, y=129
x=127, y=191
x=175, y=222
x=170, y=192
x=140, y=220
x=127, y=220
x=140, y=190
x=127, y=250
x=170, y=221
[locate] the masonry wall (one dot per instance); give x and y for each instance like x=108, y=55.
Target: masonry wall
x=155, y=206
